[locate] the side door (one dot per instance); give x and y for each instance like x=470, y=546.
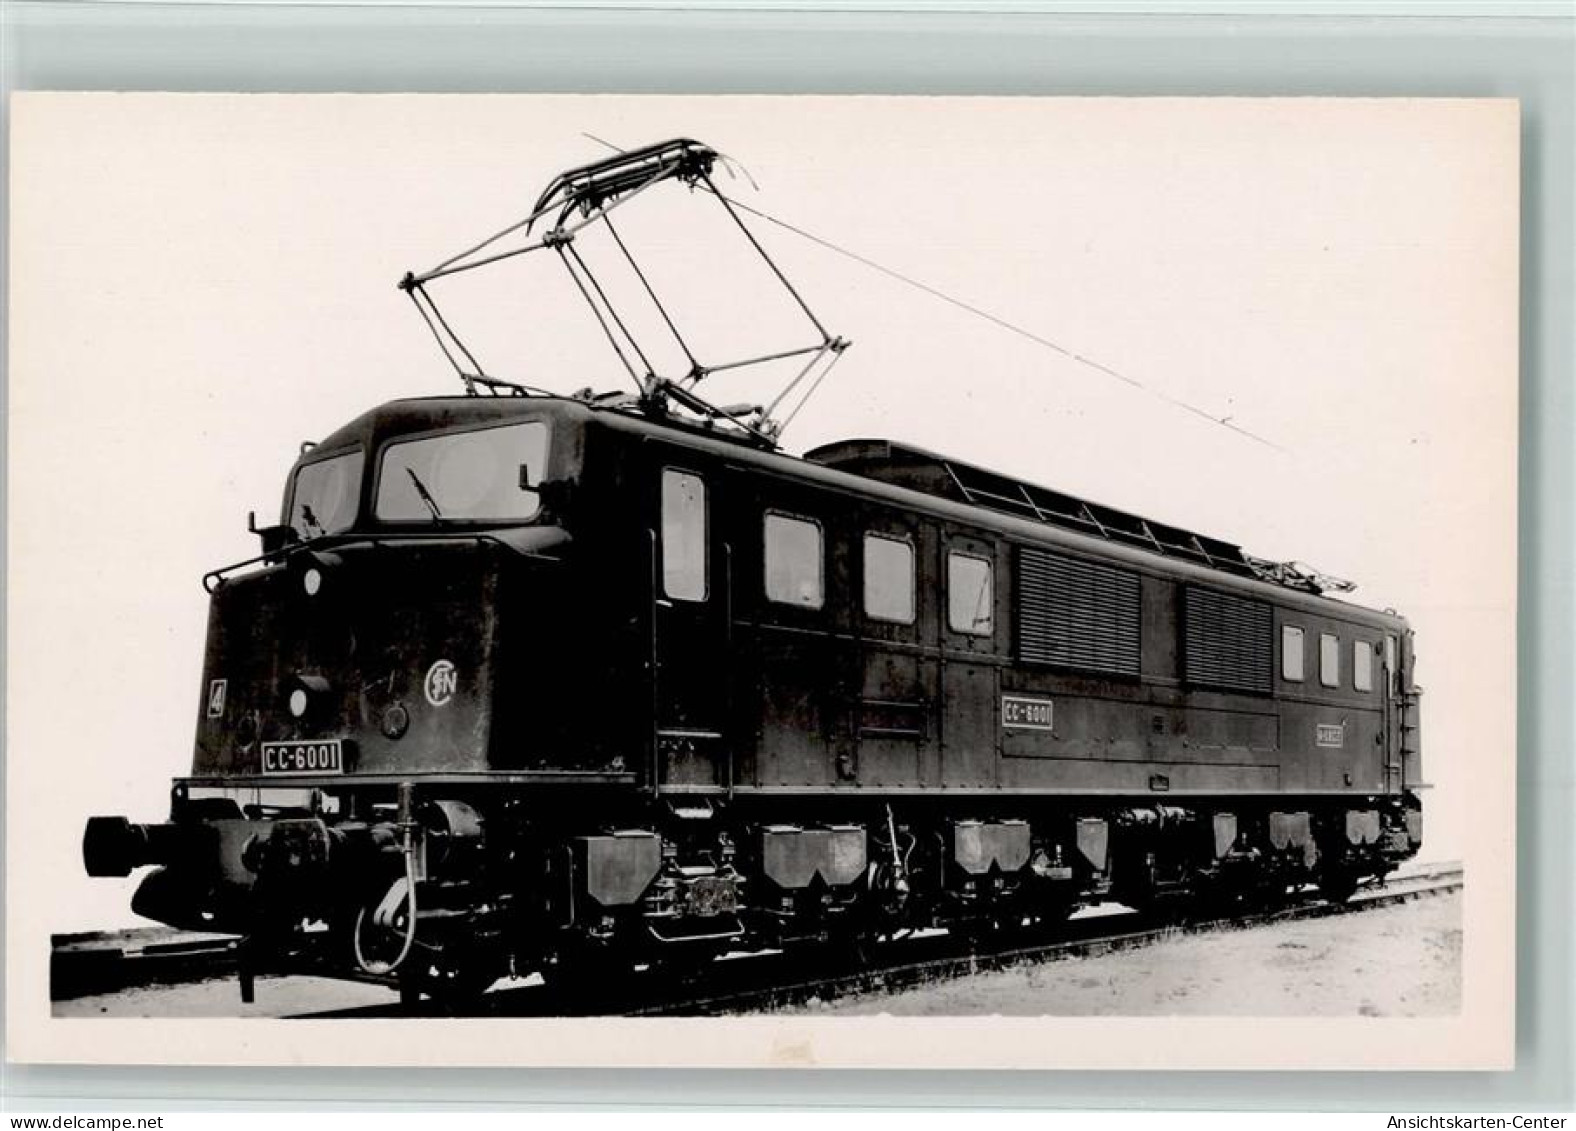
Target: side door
x=691, y=587
x=971, y=624
x=802, y=660
x=896, y=711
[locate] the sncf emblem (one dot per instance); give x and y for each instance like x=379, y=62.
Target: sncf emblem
x=441, y=683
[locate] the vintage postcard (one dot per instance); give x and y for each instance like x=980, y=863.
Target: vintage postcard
x=771, y=581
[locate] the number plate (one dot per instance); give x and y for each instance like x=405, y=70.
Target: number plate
x=303, y=757
x=1023, y=713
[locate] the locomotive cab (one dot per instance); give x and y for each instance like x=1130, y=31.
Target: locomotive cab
x=413, y=606
x=428, y=470
x=408, y=632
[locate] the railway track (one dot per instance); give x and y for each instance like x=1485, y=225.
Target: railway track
x=98, y=962
x=771, y=981
x=746, y=983
x=1079, y=937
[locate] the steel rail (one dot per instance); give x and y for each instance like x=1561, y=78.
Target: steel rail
x=778, y=980
x=102, y=962
x=951, y=967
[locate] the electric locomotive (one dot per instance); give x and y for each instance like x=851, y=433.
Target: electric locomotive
x=523, y=682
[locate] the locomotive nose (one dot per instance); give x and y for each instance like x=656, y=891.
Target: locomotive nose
x=355, y=662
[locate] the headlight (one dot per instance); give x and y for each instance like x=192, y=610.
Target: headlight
x=306, y=695
x=314, y=569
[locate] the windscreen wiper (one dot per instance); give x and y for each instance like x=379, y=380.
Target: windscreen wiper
x=426, y=495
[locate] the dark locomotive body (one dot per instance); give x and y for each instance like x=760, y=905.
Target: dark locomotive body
x=525, y=682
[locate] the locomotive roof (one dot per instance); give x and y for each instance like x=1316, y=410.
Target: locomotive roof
x=962, y=487
x=420, y=414
x=936, y=474
x=953, y=485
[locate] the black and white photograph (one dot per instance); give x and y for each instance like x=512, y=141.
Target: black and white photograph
x=825, y=581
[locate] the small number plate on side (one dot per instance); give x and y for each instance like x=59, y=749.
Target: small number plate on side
x=303, y=757
x=1023, y=713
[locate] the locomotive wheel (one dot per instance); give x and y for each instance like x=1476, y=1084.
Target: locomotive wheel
x=1211, y=899
x=1338, y=886
x=852, y=941
x=1052, y=915
x=452, y=977
x=685, y=965
x=584, y=969
x=452, y=987
x=1271, y=895
x=987, y=931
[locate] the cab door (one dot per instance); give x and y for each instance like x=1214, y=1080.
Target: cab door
x=971, y=621
x=898, y=673
x=690, y=620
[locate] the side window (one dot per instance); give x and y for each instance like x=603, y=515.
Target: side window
x=1329, y=660
x=794, y=572
x=969, y=594
x=683, y=535
x=889, y=579
x=1391, y=655
x=325, y=495
x=1291, y=653
x=1362, y=665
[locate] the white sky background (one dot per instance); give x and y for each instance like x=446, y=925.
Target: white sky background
x=200, y=283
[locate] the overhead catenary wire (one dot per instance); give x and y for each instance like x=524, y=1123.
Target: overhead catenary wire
x=995, y=319
x=561, y=240
x=730, y=204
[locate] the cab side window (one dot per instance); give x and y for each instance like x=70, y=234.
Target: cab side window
x=970, y=596
x=889, y=579
x=1329, y=659
x=795, y=567
x=683, y=535
x=1291, y=653
x=1362, y=665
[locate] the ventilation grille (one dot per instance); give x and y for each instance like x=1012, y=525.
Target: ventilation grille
x=1077, y=614
x=1228, y=641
